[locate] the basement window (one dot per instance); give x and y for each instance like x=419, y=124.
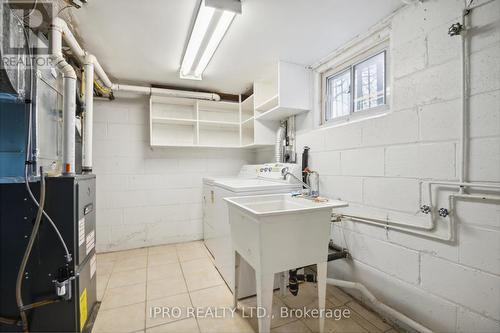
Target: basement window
x=358, y=88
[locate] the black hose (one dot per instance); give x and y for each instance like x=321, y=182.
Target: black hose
x=27, y=253
x=305, y=163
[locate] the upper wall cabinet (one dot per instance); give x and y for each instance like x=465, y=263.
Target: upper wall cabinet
x=284, y=93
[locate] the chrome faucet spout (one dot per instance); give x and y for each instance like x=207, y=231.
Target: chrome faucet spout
x=286, y=173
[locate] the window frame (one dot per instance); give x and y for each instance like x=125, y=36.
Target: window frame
x=349, y=66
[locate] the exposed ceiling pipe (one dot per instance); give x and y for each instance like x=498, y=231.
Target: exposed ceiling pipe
x=84, y=57
x=57, y=31
x=411, y=2
x=166, y=92
x=60, y=32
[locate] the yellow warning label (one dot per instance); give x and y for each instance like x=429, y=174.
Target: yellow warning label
x=83, y=308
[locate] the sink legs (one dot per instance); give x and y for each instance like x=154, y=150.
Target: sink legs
x=283, y=276
x=265, y=284
x=321, y=276
x=236, y=279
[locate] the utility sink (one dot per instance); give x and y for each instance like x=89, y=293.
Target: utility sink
x=281, y=204
x=275, y=233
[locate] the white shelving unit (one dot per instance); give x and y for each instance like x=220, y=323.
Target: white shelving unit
x=182, y=122
x=284, y=93
x=249, y=123
x=172, y=121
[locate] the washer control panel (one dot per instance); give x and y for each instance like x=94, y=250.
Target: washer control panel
x=275, y=170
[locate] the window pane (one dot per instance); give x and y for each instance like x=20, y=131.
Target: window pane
x=338, y=95
x=369, y=81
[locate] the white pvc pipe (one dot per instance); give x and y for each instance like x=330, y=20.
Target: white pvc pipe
x=60, y=32
x=89, y=114
x=166, y=92
x=379, y=305
x=464, y=60
x=80, y=53
x=69, y=105
x=102, y=75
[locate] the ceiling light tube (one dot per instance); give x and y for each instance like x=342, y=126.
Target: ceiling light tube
x=209, y=28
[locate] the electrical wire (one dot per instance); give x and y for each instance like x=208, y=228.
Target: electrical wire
x=32, y=10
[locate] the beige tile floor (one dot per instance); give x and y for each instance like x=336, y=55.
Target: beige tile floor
x=182, y=277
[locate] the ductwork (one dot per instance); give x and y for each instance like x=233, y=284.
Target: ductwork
x=278, y=147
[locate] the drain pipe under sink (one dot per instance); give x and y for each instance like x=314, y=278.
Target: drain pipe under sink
x=379, y=305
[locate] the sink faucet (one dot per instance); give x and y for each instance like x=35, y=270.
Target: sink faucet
x=285, y=172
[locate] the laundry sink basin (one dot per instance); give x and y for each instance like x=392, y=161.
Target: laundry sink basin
x=280, y=224
x=281, y=204
x=275, y=233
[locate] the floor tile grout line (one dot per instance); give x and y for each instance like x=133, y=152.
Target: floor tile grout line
x=369, y=321
x=121, y=306
x=146, y=292
x=188, y=291
x=113, y=264
x=170, y=322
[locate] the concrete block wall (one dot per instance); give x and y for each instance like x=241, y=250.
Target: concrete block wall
x=149, y=196
x=378, y=165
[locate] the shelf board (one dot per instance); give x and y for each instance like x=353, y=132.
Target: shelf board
x=225, y=124
x=194, y=146
x=218, y=106
x=246, y=121
x=279, y=113
x=173, y=121
x=247, y=104
x=268, y=104
x=254, y=145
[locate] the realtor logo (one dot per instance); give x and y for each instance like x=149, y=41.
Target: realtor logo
x=24, y=24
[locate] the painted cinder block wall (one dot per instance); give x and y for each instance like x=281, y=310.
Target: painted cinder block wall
x=149, y=196
x=379, y=164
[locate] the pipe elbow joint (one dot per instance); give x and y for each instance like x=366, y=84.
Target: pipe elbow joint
x=58, y=24
x=90, y=59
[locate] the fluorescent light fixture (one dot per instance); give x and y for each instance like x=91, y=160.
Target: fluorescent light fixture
x=209, y=28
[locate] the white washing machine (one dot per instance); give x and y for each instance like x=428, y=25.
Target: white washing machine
x=252, y=180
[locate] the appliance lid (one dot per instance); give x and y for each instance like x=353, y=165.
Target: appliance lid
x=211, y=179
x=248, y=185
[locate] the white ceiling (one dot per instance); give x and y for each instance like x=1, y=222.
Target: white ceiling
x=142, y=42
